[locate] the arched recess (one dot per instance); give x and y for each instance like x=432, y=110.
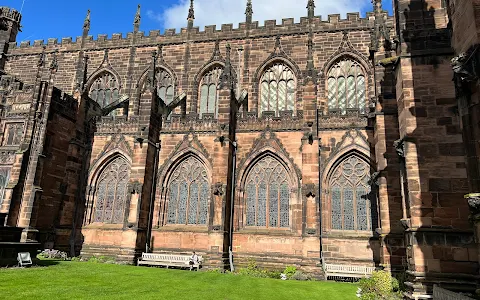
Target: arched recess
x=108, y=195
x=282, y=66
x=357, y=83
x=350, y=201
x=184, y=191
x=166, y=83
x=268, y=188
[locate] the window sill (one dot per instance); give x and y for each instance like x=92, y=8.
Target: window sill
x=182, y=228
x=98, y=225
x=349, y=234
x=267, y=231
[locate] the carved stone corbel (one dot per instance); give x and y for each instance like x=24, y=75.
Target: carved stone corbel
x=135, y=187
x=218, y=189
x=310, y=190
x=474, y=203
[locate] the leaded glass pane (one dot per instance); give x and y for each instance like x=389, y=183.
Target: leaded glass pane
x=203, y=205
x=169, y=95
x=341, y=94
x=212, y=98
x=189, y=194
x=267, y=195
x=265, y=97
x=162, y=93
x=208, y=91
x=277, y=89
x=351, y=101
x=336, y=208
x=273, y=100
x=284, y=205
x=111, y=195
x=273, y=205
x=262, y=205
x=4, y=176
x=182, y=203
x=282, y=95
x=172, y=207
x=361, y=92
x=346, y=86
x=348, y=209
x=192, y=204
x=291, y=95
x=351, y=209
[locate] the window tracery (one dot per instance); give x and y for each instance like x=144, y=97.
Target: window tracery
x=165, y=85
x=105, y=89
x=346, y=86
x=351, y=205
x=268, y=195
x=111, y=193
x=4, y=176
x=188, y=194
x=277, y=89
x=14, y=134
x=208, y=91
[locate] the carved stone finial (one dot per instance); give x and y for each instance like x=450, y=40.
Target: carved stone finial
x=191, y=12
x=153, y=71
x=86, y=23
x=54, y=63
x=249, y=11
x=311, y=9
x=136, y=21
x=226, y=78
x=41, y=59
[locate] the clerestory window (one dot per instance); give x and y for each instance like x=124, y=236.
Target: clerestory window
x=277, y=89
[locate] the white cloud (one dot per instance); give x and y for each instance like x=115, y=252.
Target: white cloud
x=217, y=12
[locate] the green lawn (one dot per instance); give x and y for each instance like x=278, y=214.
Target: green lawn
x=84, y=280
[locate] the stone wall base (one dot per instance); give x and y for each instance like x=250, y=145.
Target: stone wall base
x=120, y=254
x=420, y=285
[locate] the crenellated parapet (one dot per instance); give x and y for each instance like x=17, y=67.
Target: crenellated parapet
x=10, y=14
x=288, y=26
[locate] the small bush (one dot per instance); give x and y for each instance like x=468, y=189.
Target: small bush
x=380, y=286
x=78, y=258
x=300, y=276
x=290, y=271
x=53, y=254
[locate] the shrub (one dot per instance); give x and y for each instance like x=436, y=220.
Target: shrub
x=300, y=276
x=289, y=271
x=380, y=286
x=54, y=254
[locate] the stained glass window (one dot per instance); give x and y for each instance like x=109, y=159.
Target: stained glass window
x=4, y=174
x=208, y=91
x=111, y=195
x=165, y=85
x=14, y=134
x=268, y=195
x=346, y=86
x=188, y=194
x=350, y=196
x=277, y=89
x=105, y=89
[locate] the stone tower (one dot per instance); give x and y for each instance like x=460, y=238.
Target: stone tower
x=9, y=28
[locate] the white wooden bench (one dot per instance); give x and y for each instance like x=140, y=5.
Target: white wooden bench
x=168, y=260
x=347, y=271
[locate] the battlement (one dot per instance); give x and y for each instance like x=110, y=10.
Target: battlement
x=10, y=13
x=288, y=26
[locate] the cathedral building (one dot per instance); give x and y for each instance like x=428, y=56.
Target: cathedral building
x=331, y=140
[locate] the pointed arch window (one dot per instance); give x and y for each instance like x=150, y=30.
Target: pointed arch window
x=165, y=85
x=351, y=205
x=105, y=89
x=277, y=89
x=188, y=194
x=111, y=192
x=346, y=86
x=4, y=177
x=208, y=91
x=268, y=195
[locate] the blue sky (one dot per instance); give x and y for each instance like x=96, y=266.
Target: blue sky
x=64, y=18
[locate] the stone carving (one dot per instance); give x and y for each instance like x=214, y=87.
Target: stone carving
x=466, y=64
x=473, y=202
x=353, y=118
x=135, y=187
x=218, y=189
x=310, y=190
x=400, y=147
x=7, y=157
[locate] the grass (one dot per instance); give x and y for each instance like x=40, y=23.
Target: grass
x=86, y=280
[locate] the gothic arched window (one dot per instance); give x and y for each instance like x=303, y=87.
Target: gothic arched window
x=346, y=86
x=268, y=195
x=165, y=85
x=3, y=183
x=277, y=89
x=188, y=194
x=350, y=196
x=111, y=193
x=105, y=89
x=208, y=91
